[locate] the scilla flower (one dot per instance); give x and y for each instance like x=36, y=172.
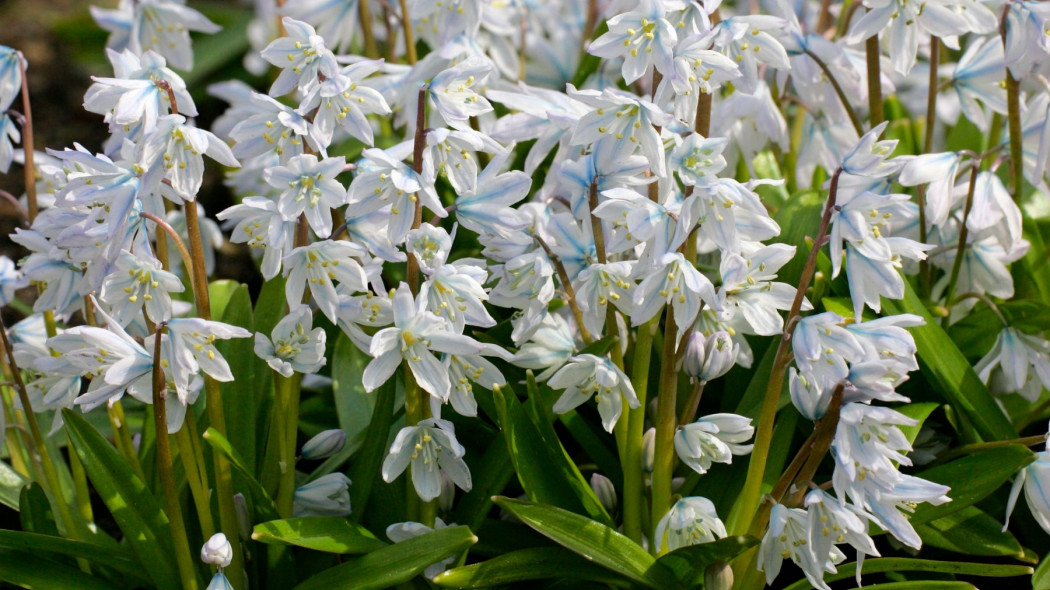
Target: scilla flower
x=690, y=521
x=293, y=345
x=586, y=375
x=320, y=265
x=158, y=25
x=642, y=37
x=1035, y=480
x=10, y=76
x=328, y=495
x=432, y=450
x=788, y=538
x=138, y=281
x=454, y=92
x=309, y=186
x=302, y=56
x=869, y=157
x=324, y=444
x=193, y=349
x=1018, y=363
x=713, y=439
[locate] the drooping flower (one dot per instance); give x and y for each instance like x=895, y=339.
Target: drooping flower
x=432, y=450
x=690, y=521
x=293, y=345
x=328, y=495
x=588, y=375
x=713, y=439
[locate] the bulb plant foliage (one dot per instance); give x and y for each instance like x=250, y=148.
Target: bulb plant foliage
x=653, y=293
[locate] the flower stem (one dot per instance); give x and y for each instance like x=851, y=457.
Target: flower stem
x=286, y=395
x=693, y=404
x=964, y=233
x=1028, y=441
x=931, y=123
x=364, y=14
x=823, y=434
x=872, y=55
x=27, y=144
x=744, y=510
x=853, y=118
x=633, y=486
x=666, y=405
x=406, y=26
x=213, y=401
x=166, y=472
x=196, y=477
x=1013, y=113
x=570, y=293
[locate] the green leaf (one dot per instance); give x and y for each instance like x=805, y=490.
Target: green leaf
x=137, y=513
x=264, y=505
x=30, y=571
x=34, y=511
x=240, y=397
x=544, y=469
x=950, y=373
x=219, y=294
x=367, y=461
x=114, y=557
x=321, y=533
x=490, y=475
x=594, y=541
x=353, y=405
x=539, y=563
x=11, y=484
x=970, y=531
x=599, y=347
x=1041, y=577
x=901, y=564
x=394, y=564
x=689, y=563
x=917, y=411
x=971, y=479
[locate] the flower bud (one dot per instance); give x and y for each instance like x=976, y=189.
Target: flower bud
x=718, y=576
x=217, y=551
x=447, y=495
x=328, y=495
x=809, y=394
x=244, y=519
x=325, y=444
x=648, y=449
x=604, y=489
x=721, y=356
x=695, y=353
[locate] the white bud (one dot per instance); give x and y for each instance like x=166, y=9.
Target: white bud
x=217, y=551
x=604, y=489
x=325, y=444
x=244, y=519
x=695, y=352
x=648, y=449
x=721, y=353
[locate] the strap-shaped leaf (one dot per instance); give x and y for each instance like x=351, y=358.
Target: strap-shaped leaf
x=970, y=531
x=594, y=541
x=689, y=563
x=537, y=563
x=321, y=533
x=263, y=503
x=144, y=524
x=393, y=565
x=902, y=564
x=115, y=558
x=30, y=571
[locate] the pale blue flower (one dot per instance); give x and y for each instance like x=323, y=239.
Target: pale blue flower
x=642, y=37
x=1035, y=480
x=274, y=129
x=321, y=265
x=822, y=346
x=257, y=223
x=625, y=121
x=453, y=92
x=309, y=186
x=158, y=25
x=342, y=101
x=587, y=375
x=328, y=495
x=750, y=42
x=713, y=439
x=1017, y=363
x=139, y=282
x=176, y=148
x=10, y=76
x=977, y=82
x=324, y=444
x=690, y=521
x=193, y=350
x=9, y=136
x=336, y=20
x=432, y=450
x=907, y=21
x=217, y=551
x=403, y=531
x=293, y=345
x=1027, y=38
x=301, y=56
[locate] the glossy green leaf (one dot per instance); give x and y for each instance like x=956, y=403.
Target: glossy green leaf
x=901, y=564
x=917, y=411
x=364, y=470
x=594, y=541
x=920, y=585
x=538, y=563
x=321, y=533
x=490, y=475
x=971, y=479
x=689, y=563
x=34, y=511
x=353, y=405
x=1041, y=577
x=544, y=469
x=114, y=557
x=144, y=524
x=31, y=571
x=240, y=397
x=970, y=531
x=950, y=373
x=394, y=564
x=264, y=505
x=219, y=294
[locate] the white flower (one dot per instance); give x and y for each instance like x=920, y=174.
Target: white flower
x=293, y=345
x=309, y=186
x=822, y=347
x=690, y=521
x=1018, y=362
x=1035, y=480
x=867, y=447
x=713, y=439
x=417, y=333
x=453, y=92
x=709, y=357
x=301, y=55
x=625, y=122
x=643, y=37
x=138, y=281
x=193, y=349
x=217, y=551
x=324, y=444
x=176, y=147
x=273, y=129
x=869, y=157
x=342, y=101
x=10, y=76
x=674, y=281
x=586, y=375
x=832, y=522
x=384, y=180
x=9, y=136
x=257, y=223
x=133, y=99
x=788, y=537
x=403, y=531
x=154, y=25
x=810, y=393
x=321, y=264
x=432, y=449
x=748, y=287
x=328, y=495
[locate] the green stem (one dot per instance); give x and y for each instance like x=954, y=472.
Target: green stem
x=744, y=510
x=633, y=482
x=406, y=26
x=964, y=233
x=80, y=484
x=213, y=400
x=286, y=391
x=195, y=478
x=1013, y=113
x=1028, y=441
x=364, y=13
x=27, y=144
x=166, y=471
x=693, y=404
x=931, y=121
x=122, y=438
x=666, y=406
